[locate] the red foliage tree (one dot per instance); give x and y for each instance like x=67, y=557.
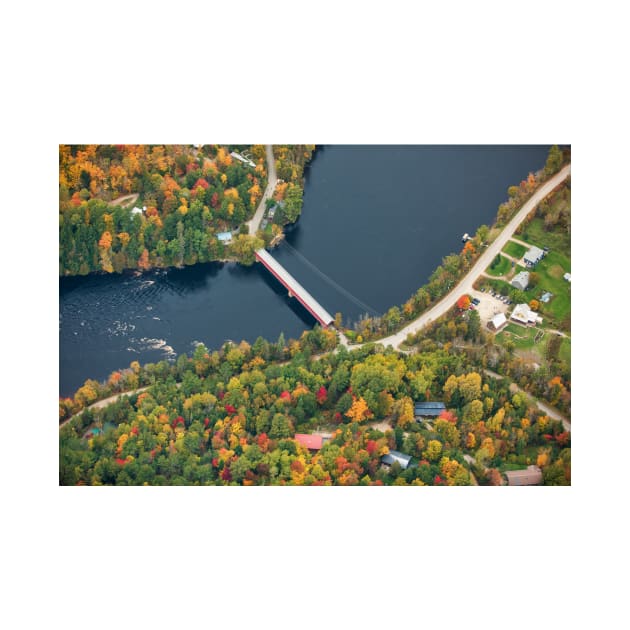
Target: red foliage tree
x=449, y=416
x=201, y=182
x=563, y=438
x=263, y=442
x=321, y=395
x=463, y=303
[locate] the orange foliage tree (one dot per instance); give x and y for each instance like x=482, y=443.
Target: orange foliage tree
x=463, y=303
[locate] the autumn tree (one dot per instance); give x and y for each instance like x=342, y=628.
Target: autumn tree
x=463, y=303
x=359, y=410
x=554, y=160
x=143, y=261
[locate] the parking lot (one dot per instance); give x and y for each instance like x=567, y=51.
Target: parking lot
x=489, y=305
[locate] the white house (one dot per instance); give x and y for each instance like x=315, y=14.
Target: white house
x=136, y=210
x=567, y=277
x=497, y=322
x=533, y=256
x=524, y=315
x=521, y=280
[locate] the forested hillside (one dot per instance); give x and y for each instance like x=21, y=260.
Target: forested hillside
x=234, y=417
x=187, y=195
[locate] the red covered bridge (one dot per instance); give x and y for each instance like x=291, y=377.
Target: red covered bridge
x=294, y=288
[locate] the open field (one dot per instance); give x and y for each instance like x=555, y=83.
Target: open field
x=501, y=269
x=516, y=250
x=557, y=241
x=528, y=342
x=550, y=270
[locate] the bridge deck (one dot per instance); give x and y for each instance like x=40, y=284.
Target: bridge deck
x=302, y=295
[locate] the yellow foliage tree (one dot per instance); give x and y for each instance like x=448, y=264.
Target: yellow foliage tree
x=359, y=410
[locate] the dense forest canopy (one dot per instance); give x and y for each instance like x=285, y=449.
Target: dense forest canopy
x=230, y=417
x=185, y=195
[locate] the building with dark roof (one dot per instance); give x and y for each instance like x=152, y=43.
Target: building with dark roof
x=428, y=409
x=396, y=456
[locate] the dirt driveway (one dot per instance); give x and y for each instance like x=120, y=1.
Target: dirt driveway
x=125, y=200
x=488, y=306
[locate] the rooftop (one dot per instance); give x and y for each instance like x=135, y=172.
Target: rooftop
x=313, y=442
x=534, y=253
x=429, y=408
x=428, y=404
x=531, y=476
x=396, y=456
x=521, y=278
x=498, y=320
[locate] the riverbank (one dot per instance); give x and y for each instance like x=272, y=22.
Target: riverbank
x=465, y=285
x=106, y=325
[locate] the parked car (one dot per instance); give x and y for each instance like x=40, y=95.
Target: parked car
x=483, y=289
x=475, y=301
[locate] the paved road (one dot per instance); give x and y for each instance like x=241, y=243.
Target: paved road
x=466, y=284
x=272, y=180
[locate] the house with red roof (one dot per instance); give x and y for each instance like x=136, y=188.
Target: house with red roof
x=312, y=442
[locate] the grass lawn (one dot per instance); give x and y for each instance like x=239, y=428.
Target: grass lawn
x=501, y=269
x=550, y=270
x=516, y=250
x=565, y=350
x=556, y=241
x=497, y=285
x=525, y=338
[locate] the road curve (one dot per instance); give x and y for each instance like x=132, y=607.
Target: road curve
x=466, y=284
x=272, y=180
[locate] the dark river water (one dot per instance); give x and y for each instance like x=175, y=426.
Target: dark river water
x=376, y=222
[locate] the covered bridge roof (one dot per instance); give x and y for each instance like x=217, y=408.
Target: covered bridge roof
x=302, y=295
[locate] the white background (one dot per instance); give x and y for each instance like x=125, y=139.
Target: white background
x=318, y=72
